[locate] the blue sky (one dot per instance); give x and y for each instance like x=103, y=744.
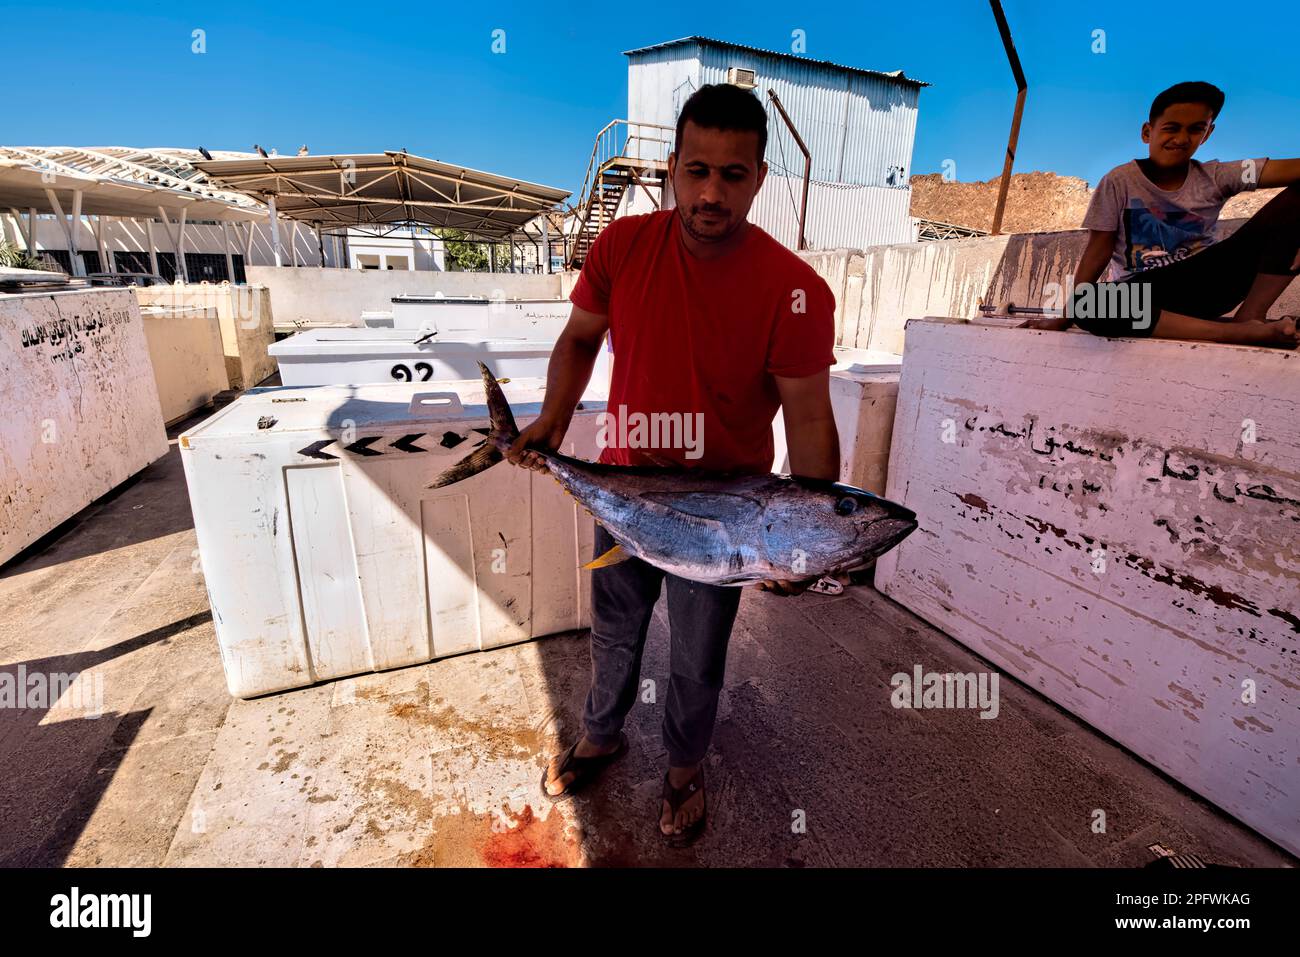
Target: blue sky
x=357, y=77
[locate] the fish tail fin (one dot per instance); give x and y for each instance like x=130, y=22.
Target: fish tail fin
x=489, y=451
x=481, y=459
x=503, y=420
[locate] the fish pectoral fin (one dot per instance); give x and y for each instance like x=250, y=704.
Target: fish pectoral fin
x=722, y=507
x=612, y=557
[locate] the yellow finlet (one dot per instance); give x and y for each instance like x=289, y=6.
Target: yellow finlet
x=611, y=557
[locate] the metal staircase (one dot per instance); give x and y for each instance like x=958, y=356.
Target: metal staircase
x=626, y=155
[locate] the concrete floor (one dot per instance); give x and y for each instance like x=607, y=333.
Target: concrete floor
x=439, y=764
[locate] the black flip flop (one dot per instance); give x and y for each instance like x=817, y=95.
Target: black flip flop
x=676, y=797
x=585, y=770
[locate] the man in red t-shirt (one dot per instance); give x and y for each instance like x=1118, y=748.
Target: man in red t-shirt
x=714, y=326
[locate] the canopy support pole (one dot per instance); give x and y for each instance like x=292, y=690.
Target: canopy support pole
x=178, y=242
x=153, y=247
x=225, y=248
x=69, y=226
x=275, y=230
x=180, y=247
x=105, y=262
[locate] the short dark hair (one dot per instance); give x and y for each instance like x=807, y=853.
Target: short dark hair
x=1193, y=91
x=721, y=106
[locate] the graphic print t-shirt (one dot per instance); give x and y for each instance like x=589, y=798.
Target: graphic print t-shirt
x=1157, y=227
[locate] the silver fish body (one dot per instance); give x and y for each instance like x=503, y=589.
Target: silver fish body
x=728, y=529
x=712, y=527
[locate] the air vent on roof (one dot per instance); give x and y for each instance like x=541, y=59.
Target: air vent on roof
x=745, y=79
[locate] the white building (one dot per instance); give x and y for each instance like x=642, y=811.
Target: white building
x=858, y=125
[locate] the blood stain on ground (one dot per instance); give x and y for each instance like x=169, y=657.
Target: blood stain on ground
x=498, y=839
x=527, y=841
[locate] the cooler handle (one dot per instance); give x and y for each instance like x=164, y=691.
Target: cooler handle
x=429, y=402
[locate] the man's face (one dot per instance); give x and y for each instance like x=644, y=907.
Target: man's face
x=715, y=175
x=1176, y=134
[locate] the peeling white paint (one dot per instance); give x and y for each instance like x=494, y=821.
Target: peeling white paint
x=1099, y=528
x=80, y=408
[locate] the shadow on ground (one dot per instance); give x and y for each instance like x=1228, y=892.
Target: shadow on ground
x=440, y=764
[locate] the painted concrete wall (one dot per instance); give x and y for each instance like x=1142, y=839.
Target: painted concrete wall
x=878, y=289
x=1115, y=523
x=81, y=407
x=247, y=322
x=317, y=295
x=189, y=364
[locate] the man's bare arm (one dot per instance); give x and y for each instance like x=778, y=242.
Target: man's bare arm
x=811, y=437
x=1101, y=243
x=812, y=440
x=1283, y=172
x=567, y=375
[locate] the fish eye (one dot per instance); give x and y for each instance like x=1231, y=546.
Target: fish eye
x=846, y=505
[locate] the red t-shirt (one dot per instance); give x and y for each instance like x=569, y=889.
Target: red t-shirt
x=697, y=342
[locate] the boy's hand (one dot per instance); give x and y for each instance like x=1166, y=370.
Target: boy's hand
x=785, y=588
x=543, y=432
x=1055, y=323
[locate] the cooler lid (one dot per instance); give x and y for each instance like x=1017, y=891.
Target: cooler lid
x=374, y=340
x=271, y=411
x=850, y=361
x=470, y=300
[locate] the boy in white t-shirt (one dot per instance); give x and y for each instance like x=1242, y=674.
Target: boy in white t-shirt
x=1152, y=221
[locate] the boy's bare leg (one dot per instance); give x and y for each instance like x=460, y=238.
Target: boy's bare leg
x=1263, y=293
x=1280, y=334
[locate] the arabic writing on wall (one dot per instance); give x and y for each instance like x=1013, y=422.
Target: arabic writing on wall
x=65, y=334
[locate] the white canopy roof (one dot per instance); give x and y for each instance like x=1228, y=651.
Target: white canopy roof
x=118, y=181
x=375, y=189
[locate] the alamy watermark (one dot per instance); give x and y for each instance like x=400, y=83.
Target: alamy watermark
x=651, y=430
x=79, y=693
x=1127, y=301
x=128, y=911
x=936, y=689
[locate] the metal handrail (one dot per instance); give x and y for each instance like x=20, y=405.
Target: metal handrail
x=607, y=147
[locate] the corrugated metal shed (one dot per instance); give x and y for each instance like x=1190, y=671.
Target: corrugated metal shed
x=839, y=216
x=858, y=124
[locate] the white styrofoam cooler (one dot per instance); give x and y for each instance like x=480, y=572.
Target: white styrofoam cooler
x=356, y=356
x=864, y=388
x=326, y=555
x=466, y=318
x=1114, y=522
x=80, y=406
